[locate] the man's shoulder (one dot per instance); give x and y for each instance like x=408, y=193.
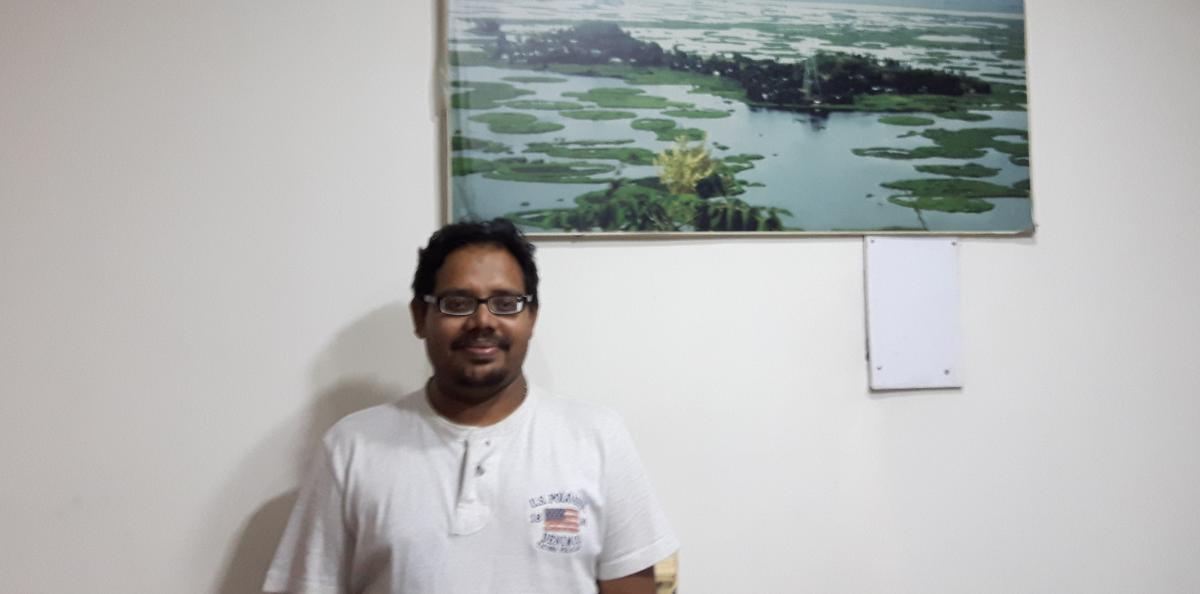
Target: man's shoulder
x=381, y=420
x=577, y=414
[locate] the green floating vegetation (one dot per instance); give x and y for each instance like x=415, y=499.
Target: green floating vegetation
x=962, y=188
x=540, y=171
x=696, y=113
x=543, y=104
x=905, y=120
x=595, y=142
x=700, y=83
x=627, y=155
x=515, y=123
x=534, y=79
x=652, y=124
x=597, y=114
x=666, y=130
x=466, y=143
x=744, y=157
x=1022, y=185
x=742, y=162
x=978, y=138
x=968, y=170
x=944, y=204
x=469, y=165
x=968, y=143
x=484, y=95
x=921, y=152
x=623, y=98
x=965, y=116
x=952, y=195
x=720, y=147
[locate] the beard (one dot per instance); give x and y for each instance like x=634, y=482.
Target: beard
x=490, y=379
x=473, y=380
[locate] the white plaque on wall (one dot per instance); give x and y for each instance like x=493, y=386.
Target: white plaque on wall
x=913, y=328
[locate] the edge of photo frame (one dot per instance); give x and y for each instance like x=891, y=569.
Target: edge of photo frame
x=441, y=102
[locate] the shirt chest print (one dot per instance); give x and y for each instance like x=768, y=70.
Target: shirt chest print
x=558, y=521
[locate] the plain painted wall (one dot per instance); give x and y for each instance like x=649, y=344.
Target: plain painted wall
x=209, y=218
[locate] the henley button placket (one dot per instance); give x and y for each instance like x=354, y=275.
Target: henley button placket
x=472, y=513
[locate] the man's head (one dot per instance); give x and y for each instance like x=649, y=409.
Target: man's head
x=477, y=354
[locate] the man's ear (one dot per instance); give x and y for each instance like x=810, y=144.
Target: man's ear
x=418, y=308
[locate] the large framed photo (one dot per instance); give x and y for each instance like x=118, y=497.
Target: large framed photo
x=602, y=118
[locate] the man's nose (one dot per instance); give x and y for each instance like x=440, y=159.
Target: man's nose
x=482, y=317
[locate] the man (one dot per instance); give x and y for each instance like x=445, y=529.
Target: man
x=479, y=482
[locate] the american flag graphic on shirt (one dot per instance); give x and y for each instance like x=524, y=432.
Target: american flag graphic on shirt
x=561, y=519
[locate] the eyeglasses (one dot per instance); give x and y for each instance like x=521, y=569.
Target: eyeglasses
x=465, y=305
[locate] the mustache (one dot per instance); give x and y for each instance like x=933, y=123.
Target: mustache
x=476, y=339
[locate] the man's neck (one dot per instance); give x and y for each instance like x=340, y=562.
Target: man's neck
x=478, y=409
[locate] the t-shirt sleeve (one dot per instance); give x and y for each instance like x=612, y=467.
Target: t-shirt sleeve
x=636, y=533
x=313, y=555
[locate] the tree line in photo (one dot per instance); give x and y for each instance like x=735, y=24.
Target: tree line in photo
x=825, y=79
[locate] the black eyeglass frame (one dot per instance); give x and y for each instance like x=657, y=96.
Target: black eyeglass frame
x=522, y=301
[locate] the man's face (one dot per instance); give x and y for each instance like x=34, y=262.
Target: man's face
x=482, y=350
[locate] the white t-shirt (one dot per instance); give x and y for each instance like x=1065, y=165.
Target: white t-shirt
x=399, y=499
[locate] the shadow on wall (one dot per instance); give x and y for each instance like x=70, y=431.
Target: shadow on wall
x=373, y=361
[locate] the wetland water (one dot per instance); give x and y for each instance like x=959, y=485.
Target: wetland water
x=808, y=166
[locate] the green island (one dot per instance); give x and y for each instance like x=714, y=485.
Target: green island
x=965, y=116
x=515, y=123
x=958, y=204
x=696, y=113
x=484, y=95
x=595, y=142
x=739, y=163
x=597, y=114
x=905, y=120
x=623, y=98
x=967, y=188
x=921, y=152
x=521, y=169
x=667, y=130
x=627, y=155
x=951, y=195
x=967, y=143
x=543, y=104
x=534, y=79
x=968, y=170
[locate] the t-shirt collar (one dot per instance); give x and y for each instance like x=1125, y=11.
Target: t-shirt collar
x=459, y=431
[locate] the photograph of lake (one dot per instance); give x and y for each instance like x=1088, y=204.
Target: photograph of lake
x=590, y=117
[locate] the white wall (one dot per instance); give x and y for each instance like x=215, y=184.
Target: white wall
x=208, y=219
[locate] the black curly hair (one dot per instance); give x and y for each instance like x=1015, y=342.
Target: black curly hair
x=500, y=232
